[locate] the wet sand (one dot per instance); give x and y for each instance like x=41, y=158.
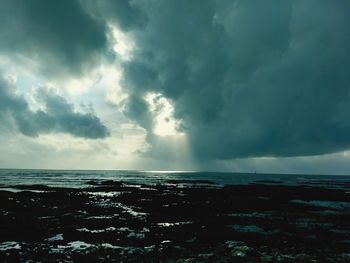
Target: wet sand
x=175, y=222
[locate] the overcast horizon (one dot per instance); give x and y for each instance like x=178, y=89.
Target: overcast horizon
x=236, y=86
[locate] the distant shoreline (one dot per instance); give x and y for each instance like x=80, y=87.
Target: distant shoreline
x=175, y=171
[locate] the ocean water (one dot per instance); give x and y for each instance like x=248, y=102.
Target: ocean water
x=80, y=178
x=171, y=216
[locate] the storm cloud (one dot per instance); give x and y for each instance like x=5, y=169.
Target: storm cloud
x=124, y=13
x=62, y=35
x=247, y=78
x=57, y=115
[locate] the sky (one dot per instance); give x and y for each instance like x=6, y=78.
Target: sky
x=213, y=85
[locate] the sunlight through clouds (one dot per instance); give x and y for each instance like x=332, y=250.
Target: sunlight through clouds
x=178, y=83
x=123, y=45
x=162, y=111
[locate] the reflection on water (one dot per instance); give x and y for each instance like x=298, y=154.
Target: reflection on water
x=78, y=179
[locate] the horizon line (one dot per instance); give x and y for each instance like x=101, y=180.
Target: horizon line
x=174, y=171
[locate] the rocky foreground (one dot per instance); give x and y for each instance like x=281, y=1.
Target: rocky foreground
x=175, y=222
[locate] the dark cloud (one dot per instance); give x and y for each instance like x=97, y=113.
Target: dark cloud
x=247, y=78
x=58, y=115
x=124, y=13
x=137, y=108
x=61, y=34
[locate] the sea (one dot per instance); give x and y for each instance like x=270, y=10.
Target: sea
x=172, y=216
x=83, y=178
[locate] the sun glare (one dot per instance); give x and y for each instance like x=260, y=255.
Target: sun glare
x=162, y=111
x=123, y=45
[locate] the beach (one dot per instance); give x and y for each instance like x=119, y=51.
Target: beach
x=176, y=221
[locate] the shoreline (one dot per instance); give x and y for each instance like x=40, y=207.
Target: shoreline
x=175, y=222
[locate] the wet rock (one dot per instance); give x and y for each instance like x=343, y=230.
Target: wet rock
x=116, y=222
x=238, y=249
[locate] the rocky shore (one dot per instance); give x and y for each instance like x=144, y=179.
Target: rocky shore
x=112, y=221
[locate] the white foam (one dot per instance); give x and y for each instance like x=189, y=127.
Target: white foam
x=132, y=212
x=105, y=194
x=78, y=245
x=166, y=224
x=326, y=204
x=57, y=237
x=133, y=233
x=7, y=245
x=95, y=231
